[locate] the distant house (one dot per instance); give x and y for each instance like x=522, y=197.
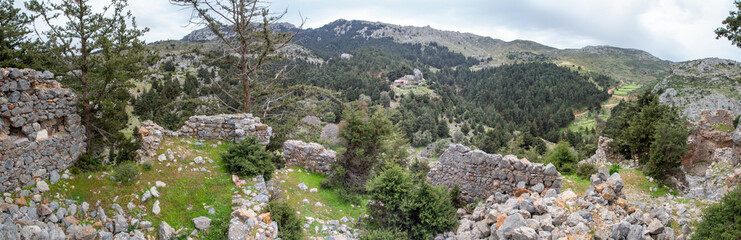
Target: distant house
x=410, y=80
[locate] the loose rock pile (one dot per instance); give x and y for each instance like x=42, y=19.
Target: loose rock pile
x=311, y=156
x=479, y=175
x=602, y=214
x=603, y=155
x=40, y=132
x=250, y=219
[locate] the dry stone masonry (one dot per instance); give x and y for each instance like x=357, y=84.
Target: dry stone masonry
x=40, y=132
x=311, y=156
x=234, y=127
x=480, y=175
x=227, y=127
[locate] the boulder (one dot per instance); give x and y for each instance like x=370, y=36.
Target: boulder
x=202, y=223
x=165, y=232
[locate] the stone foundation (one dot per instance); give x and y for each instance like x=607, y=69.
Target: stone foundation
x=480, y=175
x=227, y=127
x=40, y=131
x=311, y=156
x=232, y=127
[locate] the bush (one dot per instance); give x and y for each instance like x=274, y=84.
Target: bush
x=586, y=170
x=289, y=223
x=562, y=158
x=455, y=197
x=722, y=220
x=614, y=168
x=87, y=162
x=735, y=121
x=400, y=203
x=249, y=158
x=420, y=168
x=329, y=117
x=147, y=166
x=126, y=172
x=421, y=138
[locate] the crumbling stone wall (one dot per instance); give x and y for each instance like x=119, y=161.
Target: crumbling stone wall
x=311, y=156
x=226, y=126
x=480, y=175
x=40, y=131
x=234, y=127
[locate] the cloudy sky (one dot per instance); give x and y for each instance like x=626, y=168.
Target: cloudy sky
x=676, y=30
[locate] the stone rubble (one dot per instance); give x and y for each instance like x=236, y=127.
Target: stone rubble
x=250, y=219
x=602, y=214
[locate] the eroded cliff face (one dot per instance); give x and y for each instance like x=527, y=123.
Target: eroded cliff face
x=707, y=135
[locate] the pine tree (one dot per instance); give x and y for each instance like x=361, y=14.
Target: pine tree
x=98, y=53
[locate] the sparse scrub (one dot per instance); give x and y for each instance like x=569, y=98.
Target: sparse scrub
x=586, y=170
x=126, y=172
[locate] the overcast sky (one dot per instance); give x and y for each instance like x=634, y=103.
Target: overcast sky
x=676, y=30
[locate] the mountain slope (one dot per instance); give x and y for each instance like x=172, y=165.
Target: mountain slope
x=705, y=84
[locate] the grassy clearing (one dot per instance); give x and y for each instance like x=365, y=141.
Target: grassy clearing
x=188, y=194
x=334, y=206
x=419, y=90
x=576, y=184
x=626, y=89
x=637, y=179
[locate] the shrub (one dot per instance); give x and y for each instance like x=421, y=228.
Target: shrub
x=614, y=168
x=126, y=172
x=249, y=158
x=415, y=207
x=147, y=166
x=289, y=223
x=419, y=168
x=455, y=197
x=87, y=162
x=562, y=158
x=586, y=170
x=735, y=121
x=329, y=117
x=421, y=138
x=722, y=220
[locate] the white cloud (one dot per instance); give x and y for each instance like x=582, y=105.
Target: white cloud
x=676, y=30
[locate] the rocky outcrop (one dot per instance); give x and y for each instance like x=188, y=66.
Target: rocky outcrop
x=603, y=155
x=40, y=131
x=479, y=175
x=602, y=214
x=705, y=138
x=705, y=84
x=311, y=156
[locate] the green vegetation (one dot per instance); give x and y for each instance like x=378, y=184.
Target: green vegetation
x=364, y=135
x=562, y=157
x=723, y=127
x=731, y=26
x=188, y=194
x=722, y=220
x=289, y=223
x=99, y=71
x=403, y=204
x=651, y=132
x=577, y=184
x=586, y=170
x=126, y=172
x=335, y=205
x=626, y=89
x=614, y=168
x=249, y=158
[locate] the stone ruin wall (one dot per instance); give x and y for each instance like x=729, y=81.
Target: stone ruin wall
x=311, y=156
x=232, y=127
x=480, y=175
x=40, y=131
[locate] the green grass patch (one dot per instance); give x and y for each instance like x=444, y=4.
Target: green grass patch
x=335, y=207
x=575, y=183
x=626, y=89
x=637, y=178
x=723, y=127
x=188, y=194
